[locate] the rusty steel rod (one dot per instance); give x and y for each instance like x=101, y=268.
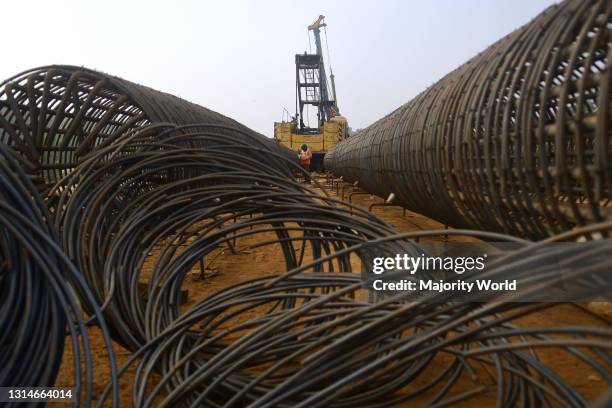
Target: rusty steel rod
x=516, y=140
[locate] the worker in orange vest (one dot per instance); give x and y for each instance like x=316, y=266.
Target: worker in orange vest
x=305, y=159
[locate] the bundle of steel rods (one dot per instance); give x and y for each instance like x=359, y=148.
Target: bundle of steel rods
x=516, y=140
x=141, y=211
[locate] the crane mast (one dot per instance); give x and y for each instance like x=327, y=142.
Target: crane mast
x=311, y=81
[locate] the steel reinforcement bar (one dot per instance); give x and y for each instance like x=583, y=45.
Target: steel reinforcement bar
x=516, y=140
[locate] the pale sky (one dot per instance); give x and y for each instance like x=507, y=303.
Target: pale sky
x=237, y=57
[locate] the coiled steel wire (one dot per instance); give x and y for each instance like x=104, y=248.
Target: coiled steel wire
x=306, y=336
x=38, y=306
x=201, y=186
x=516, y=140
x=311, y=339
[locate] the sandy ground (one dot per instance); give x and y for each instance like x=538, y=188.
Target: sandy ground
x=230, y=268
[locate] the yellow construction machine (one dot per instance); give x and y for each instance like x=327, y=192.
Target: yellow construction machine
x=313, y=95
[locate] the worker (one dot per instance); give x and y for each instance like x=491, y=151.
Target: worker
x=305, y=159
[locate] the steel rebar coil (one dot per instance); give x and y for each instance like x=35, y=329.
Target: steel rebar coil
x=310, y=340
x=38, y=303
x=166, y=189
x=516, y=140
x=305, y=335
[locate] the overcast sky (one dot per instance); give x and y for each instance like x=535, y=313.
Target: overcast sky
x=237, y=57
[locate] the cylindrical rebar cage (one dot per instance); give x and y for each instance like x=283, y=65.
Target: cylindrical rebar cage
x=515, y=140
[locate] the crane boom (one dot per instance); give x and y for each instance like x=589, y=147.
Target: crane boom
x=328, y=104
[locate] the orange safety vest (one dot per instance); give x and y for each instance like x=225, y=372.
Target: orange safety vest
x=305, y=157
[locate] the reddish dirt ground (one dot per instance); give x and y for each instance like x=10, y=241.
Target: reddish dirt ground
x=234, y=268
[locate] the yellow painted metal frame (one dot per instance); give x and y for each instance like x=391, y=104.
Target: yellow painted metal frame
x=334, y=131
